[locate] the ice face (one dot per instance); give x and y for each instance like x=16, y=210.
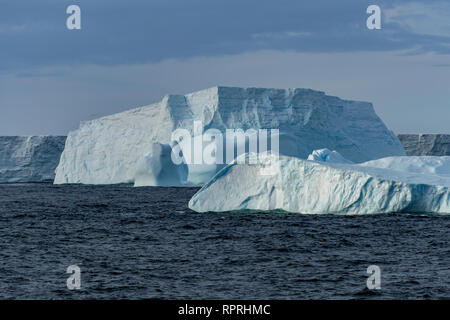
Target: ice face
x=157, y=169
x=108, y=150
x=311, y=187
x=29, y=159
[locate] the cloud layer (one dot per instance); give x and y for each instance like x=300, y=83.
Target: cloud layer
x=131, y=53
x=135, y=31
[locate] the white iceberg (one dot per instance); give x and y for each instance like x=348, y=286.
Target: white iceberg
x=118, y=148
x=311, y=187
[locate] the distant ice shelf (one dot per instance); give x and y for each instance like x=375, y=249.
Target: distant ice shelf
x=426, y=144
x=29, y=159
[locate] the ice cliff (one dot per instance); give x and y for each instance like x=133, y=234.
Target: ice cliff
x=392, y=185
x=29, y=159
x=133, y=146
x=426, y=144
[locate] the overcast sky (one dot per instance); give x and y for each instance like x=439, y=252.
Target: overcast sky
x=131, y=53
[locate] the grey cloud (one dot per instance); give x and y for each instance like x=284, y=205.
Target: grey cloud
x=33, y=33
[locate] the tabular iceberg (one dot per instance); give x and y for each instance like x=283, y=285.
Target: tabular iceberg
x=29, y=159
x=326, y=155
x=312, y=187
x=120, y=148
x=426, y=144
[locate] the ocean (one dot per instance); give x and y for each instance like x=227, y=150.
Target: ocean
x=144, y=243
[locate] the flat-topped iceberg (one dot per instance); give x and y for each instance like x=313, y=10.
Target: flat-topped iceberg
x=312, y=187
x=121, y=148
x=29, y=158
x=426, y=144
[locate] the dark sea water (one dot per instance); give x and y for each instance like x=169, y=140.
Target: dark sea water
x=138, y=243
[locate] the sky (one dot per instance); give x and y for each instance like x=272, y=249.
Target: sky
x=132, y=53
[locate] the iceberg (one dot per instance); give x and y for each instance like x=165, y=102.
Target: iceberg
x=29, y=159
x=420, y=185
x=426, y=144
x=120, y=148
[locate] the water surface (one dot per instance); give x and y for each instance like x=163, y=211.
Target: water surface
x=139, y=243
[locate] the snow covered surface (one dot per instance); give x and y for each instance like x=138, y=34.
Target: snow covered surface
x=403, y=184
x=326, y=155
x=29, y=159
x=429, y=165
x=119, y=148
